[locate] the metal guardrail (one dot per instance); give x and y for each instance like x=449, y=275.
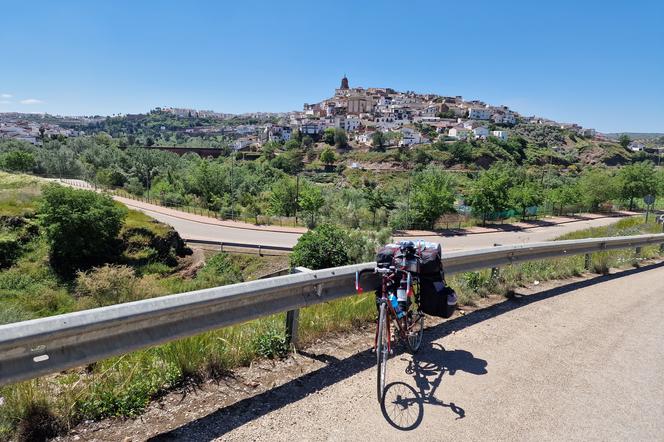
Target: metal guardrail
x=37, y=347
x=278, y=250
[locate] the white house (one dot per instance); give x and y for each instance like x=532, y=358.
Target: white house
x=459, y=132
x=241, y=143
x=635, y=146
x=504, y=118
x=409, y=137
x=364, y=137
x=478, y=113
x=481, y=132
x=502, y=134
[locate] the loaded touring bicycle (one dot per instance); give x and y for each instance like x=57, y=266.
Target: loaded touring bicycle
x=411, y=284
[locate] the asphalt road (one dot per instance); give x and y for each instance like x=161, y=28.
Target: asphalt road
x=197, y=227
x=192, y=229
x=583, y=364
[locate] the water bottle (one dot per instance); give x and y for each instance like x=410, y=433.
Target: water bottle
x=395, y=305
x=402, y=295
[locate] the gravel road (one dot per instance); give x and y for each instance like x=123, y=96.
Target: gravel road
x=579, y=363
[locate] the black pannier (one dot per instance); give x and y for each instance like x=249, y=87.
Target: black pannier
x=437, y=298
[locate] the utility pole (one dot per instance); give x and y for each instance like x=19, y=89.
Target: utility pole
x=297, y=195
x=231, y=189
x=408, y=202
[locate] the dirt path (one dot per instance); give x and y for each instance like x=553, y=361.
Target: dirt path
x=582, y=361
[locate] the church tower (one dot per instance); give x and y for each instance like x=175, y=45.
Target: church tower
x=344, y=83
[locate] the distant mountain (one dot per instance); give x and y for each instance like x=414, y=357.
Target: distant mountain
x=636, y=135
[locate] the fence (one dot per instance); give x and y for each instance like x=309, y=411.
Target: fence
x=48, y=345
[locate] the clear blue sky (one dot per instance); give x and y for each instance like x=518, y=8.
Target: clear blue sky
x=598, y=63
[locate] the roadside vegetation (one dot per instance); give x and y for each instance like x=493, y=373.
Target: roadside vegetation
x=307, y=181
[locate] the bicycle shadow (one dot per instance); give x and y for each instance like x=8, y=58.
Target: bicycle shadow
x=403, y=405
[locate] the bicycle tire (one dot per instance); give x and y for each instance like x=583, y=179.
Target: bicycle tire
x=382, y=351
x=414, y=333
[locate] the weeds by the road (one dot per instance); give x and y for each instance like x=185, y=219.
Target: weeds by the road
x=124, y=386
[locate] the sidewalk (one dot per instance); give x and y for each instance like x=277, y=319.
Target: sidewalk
x=514, y=227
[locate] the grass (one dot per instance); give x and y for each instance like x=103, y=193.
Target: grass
x=472, y=286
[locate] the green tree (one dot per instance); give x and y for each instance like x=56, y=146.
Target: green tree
x=432, y=196
x=289, y=161
x=328, y=136
x=322, y=247
x=637, y=180
x=378, y=141
x=525, y=195
x=596, y=187
x=461, y=152
x=327, y=156
x=489, y=193
x=82, y=228
x=340, y=138
x=377, y=199
x=624, y=140
x=283, y=198
x=292, y=144
x=269, y=150
x=563, y=196
x=311, y=200
x=19, y=161
x=307, y=142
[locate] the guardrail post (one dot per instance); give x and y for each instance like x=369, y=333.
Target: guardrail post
x=495, y=272
x=292, y=323
x=293, y=317
x=587, y=261
x=637, y=252
x=221, y=246
x=260, y=251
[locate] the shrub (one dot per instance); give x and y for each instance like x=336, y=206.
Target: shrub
x=322, y=247
x=220, y=270
x=9, y=250
x=81, y=228
x=108, y=285
x=271, y=344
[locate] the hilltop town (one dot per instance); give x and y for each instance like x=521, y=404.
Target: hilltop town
x=364, y=118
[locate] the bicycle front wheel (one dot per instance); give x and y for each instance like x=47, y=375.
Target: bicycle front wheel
x=382, y=350
x=414, y=332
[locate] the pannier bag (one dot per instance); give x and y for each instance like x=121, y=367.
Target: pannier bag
x=436, y=298
x=430, y=264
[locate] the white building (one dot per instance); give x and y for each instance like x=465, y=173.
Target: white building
x=364, y=138
x=478, y=113
x=409, y=137
x=481, y=132
x=459, y=132
x=241, y=143
x=504, y=118
x=502, y=134
x=635, y=146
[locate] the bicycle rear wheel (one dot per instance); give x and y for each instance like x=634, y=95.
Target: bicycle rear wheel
x=382, y=350
x=414, y=331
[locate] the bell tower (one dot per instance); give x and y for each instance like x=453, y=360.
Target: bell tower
x=344, y=83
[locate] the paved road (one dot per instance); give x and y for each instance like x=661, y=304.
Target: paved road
x=193, y=229
x=197, y=227
x=583, y=364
